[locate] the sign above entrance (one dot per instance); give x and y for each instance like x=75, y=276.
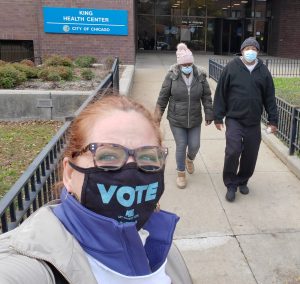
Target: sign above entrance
x=85, y=21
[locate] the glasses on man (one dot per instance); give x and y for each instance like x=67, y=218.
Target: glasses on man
x=112, y=157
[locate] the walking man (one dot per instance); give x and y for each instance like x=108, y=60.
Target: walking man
x=244, y=88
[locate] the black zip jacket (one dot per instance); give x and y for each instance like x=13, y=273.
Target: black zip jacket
x=241, y=95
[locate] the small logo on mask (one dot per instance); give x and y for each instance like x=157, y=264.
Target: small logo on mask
x=129, y=213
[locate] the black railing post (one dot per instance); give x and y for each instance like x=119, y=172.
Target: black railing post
x=267, y=62
x=115, y=75
x=34, y=188
x=293, y=132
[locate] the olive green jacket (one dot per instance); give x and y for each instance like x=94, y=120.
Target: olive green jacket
x=185, y=105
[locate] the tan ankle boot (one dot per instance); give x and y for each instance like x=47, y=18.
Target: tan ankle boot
x=181, y=180
x=189, y=164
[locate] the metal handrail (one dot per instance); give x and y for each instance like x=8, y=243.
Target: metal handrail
x=35, y=187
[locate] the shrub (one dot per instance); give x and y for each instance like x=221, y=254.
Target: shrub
x=53, y=76
x=7, y=82
x=56, y=73
x=30, y=72
x=49, y=74
x=58, y=60
x=85, y=61
x=87, y=74
x=66, y=73
x=10, y=76
x=2, y=62
x=28, y=63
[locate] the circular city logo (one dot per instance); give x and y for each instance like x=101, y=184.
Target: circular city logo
x=66, y=28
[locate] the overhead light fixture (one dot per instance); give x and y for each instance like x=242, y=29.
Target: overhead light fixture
x=237, y=4
x=244, y=2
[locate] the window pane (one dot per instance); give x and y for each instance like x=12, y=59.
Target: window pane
x=248, y=8
x=167, y=32
x=165, y=7
x=146, y=32
x=194, y=8
x=145, y=6
x=218, y=8
x=260, y=9
x=210, y=35
x=261, y=34
x=193, y=32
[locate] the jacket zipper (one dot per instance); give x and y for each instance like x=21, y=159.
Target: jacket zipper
x=189, y=105
x=38, y=258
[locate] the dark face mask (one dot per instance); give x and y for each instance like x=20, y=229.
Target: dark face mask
x=126, y=195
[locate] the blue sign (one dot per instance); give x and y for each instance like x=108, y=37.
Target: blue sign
x=85, y=21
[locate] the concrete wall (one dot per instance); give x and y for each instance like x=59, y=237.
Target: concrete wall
x=23, y=20
x=18, y=104
x=22, y=104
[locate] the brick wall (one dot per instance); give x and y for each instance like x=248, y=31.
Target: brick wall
x=18, y=21
x=25, y=22
x=285, y=32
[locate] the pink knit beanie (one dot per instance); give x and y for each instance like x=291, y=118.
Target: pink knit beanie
x=183, y=54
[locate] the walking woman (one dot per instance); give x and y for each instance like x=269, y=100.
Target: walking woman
x=185, y=87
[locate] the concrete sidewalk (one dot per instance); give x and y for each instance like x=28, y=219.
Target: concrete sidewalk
x=256, y=239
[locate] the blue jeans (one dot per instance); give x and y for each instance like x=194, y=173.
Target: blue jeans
x=187, y=143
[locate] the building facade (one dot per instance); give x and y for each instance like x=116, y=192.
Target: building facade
x=212, y=26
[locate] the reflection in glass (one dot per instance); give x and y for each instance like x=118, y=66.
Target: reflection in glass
x=218, y=8
x=211, y=25
x=261, y=36
x=146, y=32
x=210, y=35
x=167, y=32
x=193, y=32
x=145, y=6
x=193, y=7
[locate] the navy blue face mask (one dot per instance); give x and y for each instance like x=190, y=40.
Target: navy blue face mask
x=126, y=195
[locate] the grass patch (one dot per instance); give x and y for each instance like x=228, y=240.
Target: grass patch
x=20, y=143
x=288, y=89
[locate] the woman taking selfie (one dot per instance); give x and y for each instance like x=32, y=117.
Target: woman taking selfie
x=105, y=228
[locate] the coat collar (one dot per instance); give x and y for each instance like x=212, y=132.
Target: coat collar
x=199, y=72
x=49, y=241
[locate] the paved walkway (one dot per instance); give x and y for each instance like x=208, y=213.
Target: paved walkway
x=256, y=239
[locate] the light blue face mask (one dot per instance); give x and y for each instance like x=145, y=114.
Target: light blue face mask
x=250, y=55
x=186, y=69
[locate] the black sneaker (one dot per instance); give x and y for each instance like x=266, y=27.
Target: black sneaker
x=244, y=189
x=230, y=195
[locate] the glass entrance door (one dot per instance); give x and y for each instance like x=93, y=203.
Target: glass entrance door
x=231, y=36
